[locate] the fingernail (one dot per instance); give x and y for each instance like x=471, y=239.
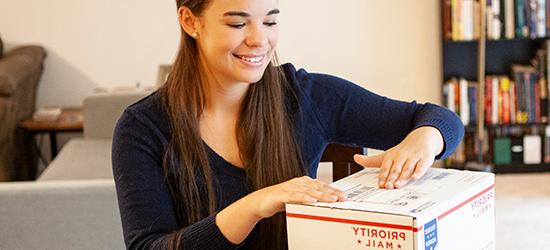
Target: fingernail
x=311, y=199
x=333, y=197
x=396, y=183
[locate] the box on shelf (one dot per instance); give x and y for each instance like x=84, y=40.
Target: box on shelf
x=445, y=209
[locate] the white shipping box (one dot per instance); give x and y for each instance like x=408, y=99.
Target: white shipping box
x=445, y=209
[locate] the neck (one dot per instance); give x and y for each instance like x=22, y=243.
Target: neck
x=223, y=97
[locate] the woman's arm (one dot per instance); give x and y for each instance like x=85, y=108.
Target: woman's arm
x=146, y=207
x=349, y=114
x=238, y=219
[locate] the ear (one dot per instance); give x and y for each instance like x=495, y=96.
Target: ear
x=188, y=21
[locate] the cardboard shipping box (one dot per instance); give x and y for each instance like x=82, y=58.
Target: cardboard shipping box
x=445, y=209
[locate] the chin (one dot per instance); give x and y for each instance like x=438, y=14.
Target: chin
x=252, y=77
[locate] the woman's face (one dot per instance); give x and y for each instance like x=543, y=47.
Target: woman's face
x=237, y=39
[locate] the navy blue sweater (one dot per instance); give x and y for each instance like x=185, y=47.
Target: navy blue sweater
x=332, y=110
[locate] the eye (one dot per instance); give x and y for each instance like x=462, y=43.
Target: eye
x=270, y=23
x=236, y=26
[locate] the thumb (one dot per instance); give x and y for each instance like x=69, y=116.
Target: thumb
x=369, y=161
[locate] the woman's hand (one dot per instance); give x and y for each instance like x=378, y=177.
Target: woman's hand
x=408, y=160
x=271, y=200
x=237, y=220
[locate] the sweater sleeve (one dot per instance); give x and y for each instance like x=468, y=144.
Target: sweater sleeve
x=147, y=214
x=350, y=114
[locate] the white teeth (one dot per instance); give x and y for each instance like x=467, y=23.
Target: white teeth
x=252, y=59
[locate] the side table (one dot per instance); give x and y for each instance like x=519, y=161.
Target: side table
x=70, y=120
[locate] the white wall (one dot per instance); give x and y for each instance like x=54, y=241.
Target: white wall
x=391, y=47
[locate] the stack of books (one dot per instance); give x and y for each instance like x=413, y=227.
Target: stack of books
x=504, y=18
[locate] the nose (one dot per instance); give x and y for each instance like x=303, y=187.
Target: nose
x=256, y=36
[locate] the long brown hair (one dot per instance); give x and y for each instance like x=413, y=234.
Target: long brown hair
x=265, y=138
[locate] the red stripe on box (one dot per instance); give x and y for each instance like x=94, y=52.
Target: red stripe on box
x=386, y=225
x=356, y=222
x=465, y=202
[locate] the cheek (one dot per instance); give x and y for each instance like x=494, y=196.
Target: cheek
x=274, y=38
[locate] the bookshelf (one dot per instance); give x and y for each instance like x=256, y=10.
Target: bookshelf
x=482, y=40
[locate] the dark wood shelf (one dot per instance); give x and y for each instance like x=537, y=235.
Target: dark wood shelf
x=521, y=168
x=498, y=40
x=513, y=168
x=460, y=58
x=472, y=127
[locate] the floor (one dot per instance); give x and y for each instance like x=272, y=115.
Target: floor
x=523, y=211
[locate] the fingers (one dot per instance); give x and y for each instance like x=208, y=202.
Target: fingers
x=400, y=172
x=385, y=168
x=406, y=173
x=394, y=172
x=421, y=167
x=369, y=161
x=307, y=190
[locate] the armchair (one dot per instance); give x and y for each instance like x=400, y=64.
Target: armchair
x=20, y=72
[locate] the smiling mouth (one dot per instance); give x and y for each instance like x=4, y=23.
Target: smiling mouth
x=250, y=59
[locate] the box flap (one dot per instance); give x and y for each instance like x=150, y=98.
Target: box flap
x=437, y=186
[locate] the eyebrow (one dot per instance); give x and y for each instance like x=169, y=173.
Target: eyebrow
x=244, y=14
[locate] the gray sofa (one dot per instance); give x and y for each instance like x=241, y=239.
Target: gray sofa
x=73, y=204
x=20, y=72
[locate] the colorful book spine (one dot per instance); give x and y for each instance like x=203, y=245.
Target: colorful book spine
x=509, y=24
x=464, y=107
x=505, y=93
x=521, y=29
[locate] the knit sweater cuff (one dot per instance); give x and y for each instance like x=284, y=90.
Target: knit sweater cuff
x=205, y=234
x=451, y=137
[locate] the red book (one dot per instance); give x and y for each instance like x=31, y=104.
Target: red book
x=537, y=101
x=447, y=32
x=505, y=93
x=488, y=101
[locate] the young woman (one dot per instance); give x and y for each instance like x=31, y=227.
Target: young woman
x=209, y=160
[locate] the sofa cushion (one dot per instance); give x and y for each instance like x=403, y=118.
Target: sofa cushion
x=60, y=215
x=81, y=159
x=101, y=112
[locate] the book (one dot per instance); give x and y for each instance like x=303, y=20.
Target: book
x=541, y=18
x=517, y=149
x=532, y=149
x=464, y=107
x=472, y=101
x=495, y=22
x=509, y=24
x=513, y=102
x=447, y=30
x=488, y=99
x=546, y=155
x=494, y=98
x=521, y=29
x=502, y=148
x=505, y=99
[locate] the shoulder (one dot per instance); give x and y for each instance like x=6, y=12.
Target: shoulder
x=150, y=107
x=317, y=85
x=147, y=113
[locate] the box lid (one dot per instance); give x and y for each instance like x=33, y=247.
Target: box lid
x=437, y=189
